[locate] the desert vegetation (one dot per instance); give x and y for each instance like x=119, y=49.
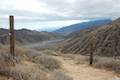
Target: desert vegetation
x=29, y=65
x=106, y=63
x=52, y=60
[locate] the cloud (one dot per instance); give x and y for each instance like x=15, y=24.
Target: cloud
x=60, y=9
x=86, y=8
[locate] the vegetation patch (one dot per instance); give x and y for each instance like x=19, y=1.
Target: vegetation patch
x=48, y=62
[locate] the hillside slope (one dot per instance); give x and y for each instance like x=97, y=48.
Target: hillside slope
x=106, y=41
x=76, y=27
x=25, y=36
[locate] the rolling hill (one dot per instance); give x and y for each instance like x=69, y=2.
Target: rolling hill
x=105, y=41
x=25, y=36
x=79, y=26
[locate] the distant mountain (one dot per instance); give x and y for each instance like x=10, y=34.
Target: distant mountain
x=82, y=32
x=106, y=40
x=76, y=27
x=25, y=36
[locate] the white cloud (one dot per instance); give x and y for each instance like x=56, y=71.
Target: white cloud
x=60, y=9
x=29, y=5
x=57, y=10
x=86, y=8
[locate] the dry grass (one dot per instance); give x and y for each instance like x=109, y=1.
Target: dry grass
x=28, y=64
x=101, y=62
x=27, y=72
x=50, y=52
x=7, y=61
x=19, y=54
x=3, y=78
x=60, y=75
x=109, y=64
x=79, y=59
x=47, y=62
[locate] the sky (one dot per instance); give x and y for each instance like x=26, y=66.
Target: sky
x=54, y=14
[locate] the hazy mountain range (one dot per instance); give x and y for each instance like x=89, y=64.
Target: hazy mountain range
x=26, y=36
x=79, y=26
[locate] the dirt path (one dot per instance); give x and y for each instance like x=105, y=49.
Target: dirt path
x=84, y=72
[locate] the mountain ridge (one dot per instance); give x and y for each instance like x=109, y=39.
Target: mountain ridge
x=26, y=36
x=106, y=41
x=79, y=26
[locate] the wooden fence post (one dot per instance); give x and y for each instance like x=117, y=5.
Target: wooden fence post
x=91, y=48
x=12, y=35
x=91, y=56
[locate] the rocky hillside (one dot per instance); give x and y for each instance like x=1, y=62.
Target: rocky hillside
x=105, y=41
x=24, y=36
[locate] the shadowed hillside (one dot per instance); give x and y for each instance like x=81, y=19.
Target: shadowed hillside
x=25, y=36
x=105, y=39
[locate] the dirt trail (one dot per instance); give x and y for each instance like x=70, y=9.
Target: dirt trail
x=84, y=71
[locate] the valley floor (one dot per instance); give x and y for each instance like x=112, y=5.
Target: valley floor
x=45, y=44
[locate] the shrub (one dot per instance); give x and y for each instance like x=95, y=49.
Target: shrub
x=50, y=52
x=19, y=54
x=108, y=63
x=48, y=62
x=5, y=63
x=3, y=78
x=59, y=75
x=31, y=54
x=27, y=73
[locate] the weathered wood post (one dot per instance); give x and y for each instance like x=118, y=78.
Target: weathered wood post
x=91, y=48
x=91, y=56
x=12, y=36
